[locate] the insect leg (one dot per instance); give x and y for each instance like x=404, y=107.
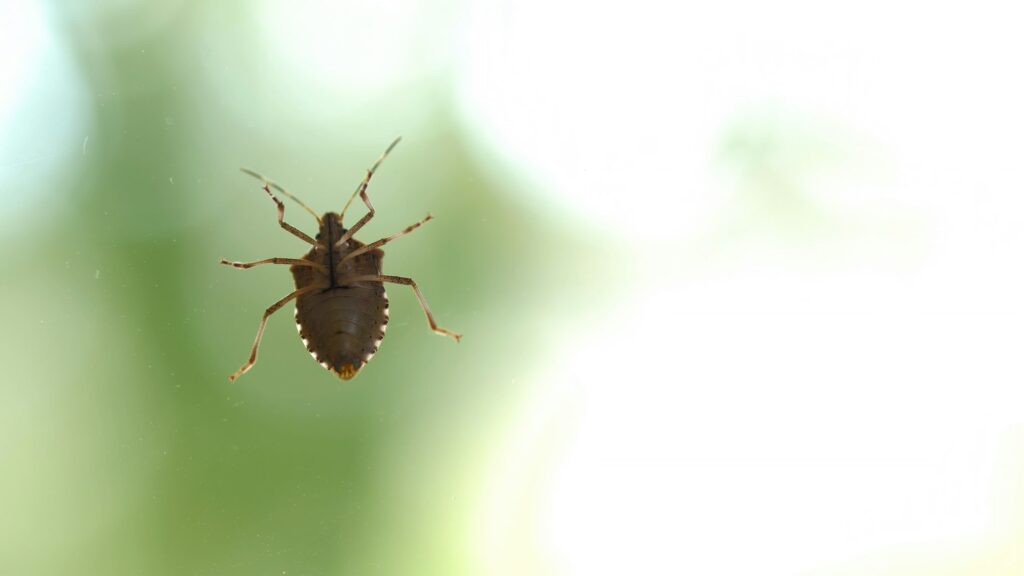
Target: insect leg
x=366, y=181
x=292, y=261
x=280, y=210
x=360, y=223
x=419, y=296
x=384, y=241
x=281, y=189
x=361, y=191
x=263, y=323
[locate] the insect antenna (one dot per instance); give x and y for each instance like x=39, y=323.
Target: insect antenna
x=369, y=174
x=276, y=186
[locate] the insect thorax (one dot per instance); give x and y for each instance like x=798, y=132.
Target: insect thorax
x=334, y=268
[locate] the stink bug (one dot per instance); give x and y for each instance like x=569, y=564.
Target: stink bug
x=341, y=309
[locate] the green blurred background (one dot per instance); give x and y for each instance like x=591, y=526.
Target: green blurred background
x=738, y=290
x=126, y=450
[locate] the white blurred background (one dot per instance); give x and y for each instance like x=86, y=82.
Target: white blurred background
x=816, y=364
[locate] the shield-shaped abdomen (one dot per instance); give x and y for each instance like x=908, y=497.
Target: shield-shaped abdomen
x=342, y=322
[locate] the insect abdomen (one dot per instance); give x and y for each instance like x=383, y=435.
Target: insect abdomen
x=343, y=325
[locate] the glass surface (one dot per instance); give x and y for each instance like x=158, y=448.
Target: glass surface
x=739, y=285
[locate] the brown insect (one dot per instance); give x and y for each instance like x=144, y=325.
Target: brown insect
x=341, y=309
